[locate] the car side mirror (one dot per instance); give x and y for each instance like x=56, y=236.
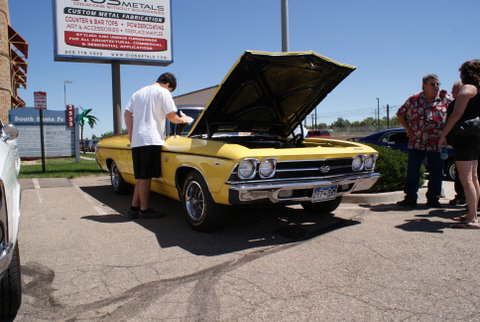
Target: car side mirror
x=10, y=132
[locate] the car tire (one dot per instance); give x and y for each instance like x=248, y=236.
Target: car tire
x=450, y=170
x=201, y=212
x=11, y=288
x=119, y=185
x=323, y=208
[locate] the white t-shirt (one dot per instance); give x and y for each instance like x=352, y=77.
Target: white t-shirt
x=149, y=106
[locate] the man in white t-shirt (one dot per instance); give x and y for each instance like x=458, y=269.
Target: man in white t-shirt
x=145, y=117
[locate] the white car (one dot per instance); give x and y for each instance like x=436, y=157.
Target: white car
x=10, y=279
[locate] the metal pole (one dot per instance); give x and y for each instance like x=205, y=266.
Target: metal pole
x=76, y=127
x=284, y=25
x=42, y=143
x=378, y=112
x=117, y=98
x=64, y=94
x=388, y=116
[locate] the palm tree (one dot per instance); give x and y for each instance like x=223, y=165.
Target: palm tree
x=86, y=118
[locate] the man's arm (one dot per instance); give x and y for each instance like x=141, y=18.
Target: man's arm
x=128, y=116
x=402, y=111
x=403, y=122
x=174, y=118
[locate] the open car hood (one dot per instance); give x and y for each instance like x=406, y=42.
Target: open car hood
x=270, y=93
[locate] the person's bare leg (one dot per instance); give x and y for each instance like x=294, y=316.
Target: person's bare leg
x=476, y=184
x=465, y=174
x=143, y=192
x=136, y=196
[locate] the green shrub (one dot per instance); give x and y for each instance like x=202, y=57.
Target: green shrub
x=392, y=165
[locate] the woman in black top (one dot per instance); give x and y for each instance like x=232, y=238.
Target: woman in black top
x=467, y=149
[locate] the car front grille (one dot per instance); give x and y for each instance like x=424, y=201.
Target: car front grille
x=305, y=169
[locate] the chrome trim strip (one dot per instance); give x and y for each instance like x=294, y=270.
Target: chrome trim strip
x=316, y=160
x=296, y=179
x=315, y=169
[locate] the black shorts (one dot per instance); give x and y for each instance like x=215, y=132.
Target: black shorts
x=466, y=148
x=466, y=152
x=146, y=161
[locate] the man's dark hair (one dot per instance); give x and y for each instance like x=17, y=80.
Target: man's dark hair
x=168, y=78
x=428, y=77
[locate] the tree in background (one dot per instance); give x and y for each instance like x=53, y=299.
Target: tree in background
x=85, y=117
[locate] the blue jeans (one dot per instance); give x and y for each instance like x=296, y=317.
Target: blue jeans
x=435, y=169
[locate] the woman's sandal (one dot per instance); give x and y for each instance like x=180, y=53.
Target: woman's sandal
x=466, y=225
x=461, y=219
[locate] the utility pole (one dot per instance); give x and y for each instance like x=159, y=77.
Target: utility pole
x=388, y=116
x=284, y=25
x=378, y=112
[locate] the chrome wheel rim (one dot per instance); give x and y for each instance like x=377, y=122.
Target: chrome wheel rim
x=451, y=171
x=115, y=176
x=195, y=201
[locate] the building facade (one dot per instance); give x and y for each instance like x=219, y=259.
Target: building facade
x=13, y=64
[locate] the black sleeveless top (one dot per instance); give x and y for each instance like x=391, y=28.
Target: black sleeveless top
x=471, y=111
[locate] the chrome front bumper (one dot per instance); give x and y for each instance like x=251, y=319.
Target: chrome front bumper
x=278, y=191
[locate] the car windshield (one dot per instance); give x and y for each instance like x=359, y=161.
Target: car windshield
x=183, y=129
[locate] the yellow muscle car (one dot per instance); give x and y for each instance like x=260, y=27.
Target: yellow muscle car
x=247, y=146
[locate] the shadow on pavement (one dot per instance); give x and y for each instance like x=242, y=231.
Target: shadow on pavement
x=243, y=229
x=424, y=225
x=421, y=223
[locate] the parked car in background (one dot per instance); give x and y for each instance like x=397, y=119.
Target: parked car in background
x=243, y=148
x=10, y=280
x=397, y=139
x=318, y=133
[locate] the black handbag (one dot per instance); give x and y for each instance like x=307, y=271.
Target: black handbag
x=469, y=127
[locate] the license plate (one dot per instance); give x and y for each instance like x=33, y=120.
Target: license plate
x=324, y=193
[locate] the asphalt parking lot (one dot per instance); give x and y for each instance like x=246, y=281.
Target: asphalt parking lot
x=81, y=260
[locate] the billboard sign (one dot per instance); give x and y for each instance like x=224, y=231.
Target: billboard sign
x=40, y=100
x=103, y=31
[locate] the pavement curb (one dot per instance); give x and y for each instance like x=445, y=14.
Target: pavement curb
x=379, y=197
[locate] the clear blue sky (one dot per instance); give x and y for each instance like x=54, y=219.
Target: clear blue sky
x=392, y=43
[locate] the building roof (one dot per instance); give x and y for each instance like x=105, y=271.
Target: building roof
x=199, y=97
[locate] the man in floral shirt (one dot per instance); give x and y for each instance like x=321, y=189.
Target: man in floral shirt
x=423, y=116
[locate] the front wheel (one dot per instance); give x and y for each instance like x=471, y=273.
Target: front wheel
x=323, y=208
x=202, y=213
x=450, y=170
x=119, y=185
x=11, y=289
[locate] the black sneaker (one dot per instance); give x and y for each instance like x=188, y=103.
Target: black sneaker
x=434, y=204
x=132, y=213
x=150, y=213
x=457, y=202
x=407, y=204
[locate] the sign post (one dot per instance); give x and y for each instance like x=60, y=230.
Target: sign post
x=40, y=103
x=113, y=32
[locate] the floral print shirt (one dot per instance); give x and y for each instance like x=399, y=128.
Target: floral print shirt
x=426, y=119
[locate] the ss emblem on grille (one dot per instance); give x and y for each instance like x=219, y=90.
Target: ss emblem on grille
x=324, y=169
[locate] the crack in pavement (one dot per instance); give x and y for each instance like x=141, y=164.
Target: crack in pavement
x=136, y=299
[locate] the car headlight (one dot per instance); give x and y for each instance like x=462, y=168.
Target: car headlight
x=370, y=161
x=358, y=163
x=267, y=167
x=247, y=168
